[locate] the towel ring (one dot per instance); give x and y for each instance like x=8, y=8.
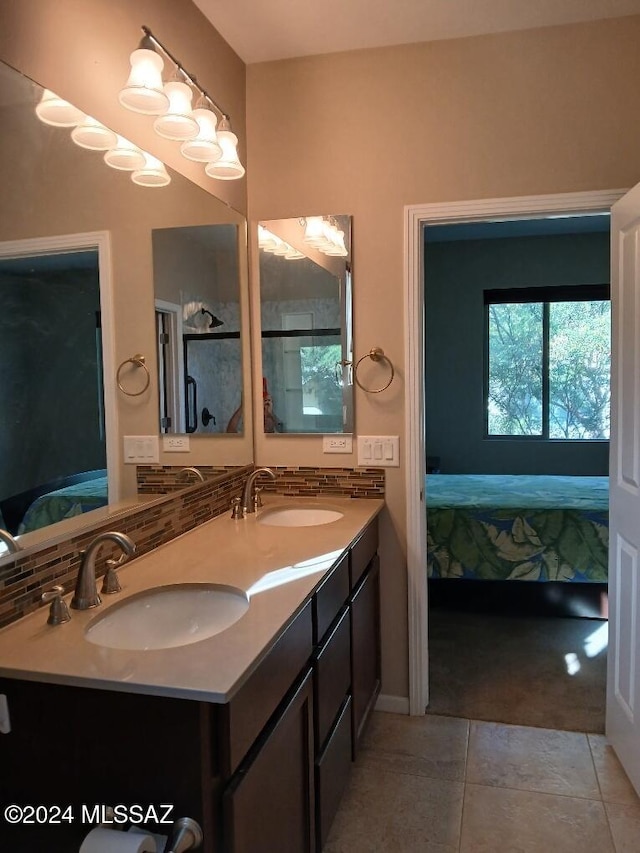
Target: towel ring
x=375, y=354
x=137, y=360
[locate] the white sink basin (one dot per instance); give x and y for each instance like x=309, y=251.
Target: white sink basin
x=308, y=516
x=168, y=616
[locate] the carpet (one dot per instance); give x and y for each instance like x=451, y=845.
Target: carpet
x=529, y=671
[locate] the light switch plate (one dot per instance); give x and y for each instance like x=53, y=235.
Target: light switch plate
x=337, y=444
x=141, y=449
x=379, y=451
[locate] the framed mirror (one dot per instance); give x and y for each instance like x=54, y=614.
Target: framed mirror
x=77, y=286
x=306, y=324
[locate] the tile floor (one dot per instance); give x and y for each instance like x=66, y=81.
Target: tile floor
x=446, y=785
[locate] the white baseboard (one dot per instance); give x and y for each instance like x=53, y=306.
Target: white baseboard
x=392, y=704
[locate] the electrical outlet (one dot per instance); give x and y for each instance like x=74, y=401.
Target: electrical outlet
x=175, y=443
x=337, y=444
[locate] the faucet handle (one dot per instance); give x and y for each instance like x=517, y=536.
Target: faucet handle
x=257, y=500
x=236, y=508
x=58, y=612
x=111, y=582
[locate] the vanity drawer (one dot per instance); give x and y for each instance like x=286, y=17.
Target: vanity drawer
x=332, y=668
x=363, y=551
x=329, y=598
x=246, y=714
x=332, y=774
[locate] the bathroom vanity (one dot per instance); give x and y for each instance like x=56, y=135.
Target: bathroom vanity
x=251, y=732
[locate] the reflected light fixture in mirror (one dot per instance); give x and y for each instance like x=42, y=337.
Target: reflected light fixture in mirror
x=147, y=170
x=176, y=119
x=54, y=110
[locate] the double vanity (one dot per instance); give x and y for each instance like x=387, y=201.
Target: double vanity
x=231, y=677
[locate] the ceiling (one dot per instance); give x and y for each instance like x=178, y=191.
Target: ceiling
x=264, y=30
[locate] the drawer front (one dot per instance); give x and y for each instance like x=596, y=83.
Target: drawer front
x=329, y=598
x=332, y=774
x=269, y=805
x=332, y=677
x=363, y=551
x=249, y=710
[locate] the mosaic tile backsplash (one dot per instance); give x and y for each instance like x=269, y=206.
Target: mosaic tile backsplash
x=25, y=578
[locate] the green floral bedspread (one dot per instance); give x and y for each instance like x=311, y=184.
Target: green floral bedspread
x=538, y=528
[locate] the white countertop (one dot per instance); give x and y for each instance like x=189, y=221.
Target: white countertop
x=277, y=567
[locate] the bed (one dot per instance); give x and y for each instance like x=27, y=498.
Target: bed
x=69, y=501
x=508, y=527
x=49, y=502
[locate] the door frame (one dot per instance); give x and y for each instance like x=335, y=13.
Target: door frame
x=416, y=217
x=101, y=242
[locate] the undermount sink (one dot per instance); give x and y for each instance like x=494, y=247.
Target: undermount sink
x=168, y=616
x=308, y=516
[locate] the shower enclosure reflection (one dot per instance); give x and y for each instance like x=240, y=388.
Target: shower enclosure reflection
x=197, y=290
x=306, y=320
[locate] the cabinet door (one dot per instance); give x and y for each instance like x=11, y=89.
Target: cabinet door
x=269, y=803
x=365, y=648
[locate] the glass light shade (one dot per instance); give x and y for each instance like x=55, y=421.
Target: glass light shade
x=54, y=110
x=143, y=91
x=338, y=250
x=266, y=240
x=293, y=254
x=93, y=135
x=125, y=156
x=204, y=148
x=152, y=174
x=177, y=123
x=282, y=248
x=228, y=167
x=314, y=231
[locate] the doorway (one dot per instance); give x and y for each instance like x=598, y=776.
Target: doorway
x=517, y=369
x=416, y=218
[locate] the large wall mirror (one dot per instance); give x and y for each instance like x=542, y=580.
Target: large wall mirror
x=306, y=324
x=75, y=237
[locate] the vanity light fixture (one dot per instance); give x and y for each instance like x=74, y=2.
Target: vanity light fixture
x=204, y=148
x=143, y=92
x=177, y=123
x=176, y=120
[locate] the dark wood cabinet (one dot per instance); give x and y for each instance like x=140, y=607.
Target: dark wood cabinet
x=269, y=803
x=262, y=773
x=365, y=648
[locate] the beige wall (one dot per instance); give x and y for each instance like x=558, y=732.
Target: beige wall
x=367, y=132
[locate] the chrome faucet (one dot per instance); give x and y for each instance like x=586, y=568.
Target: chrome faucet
x=183, y=474
x=86, y=593
x=248, y=492
x=12, y=544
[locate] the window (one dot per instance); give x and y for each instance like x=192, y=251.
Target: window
x=548, y=362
